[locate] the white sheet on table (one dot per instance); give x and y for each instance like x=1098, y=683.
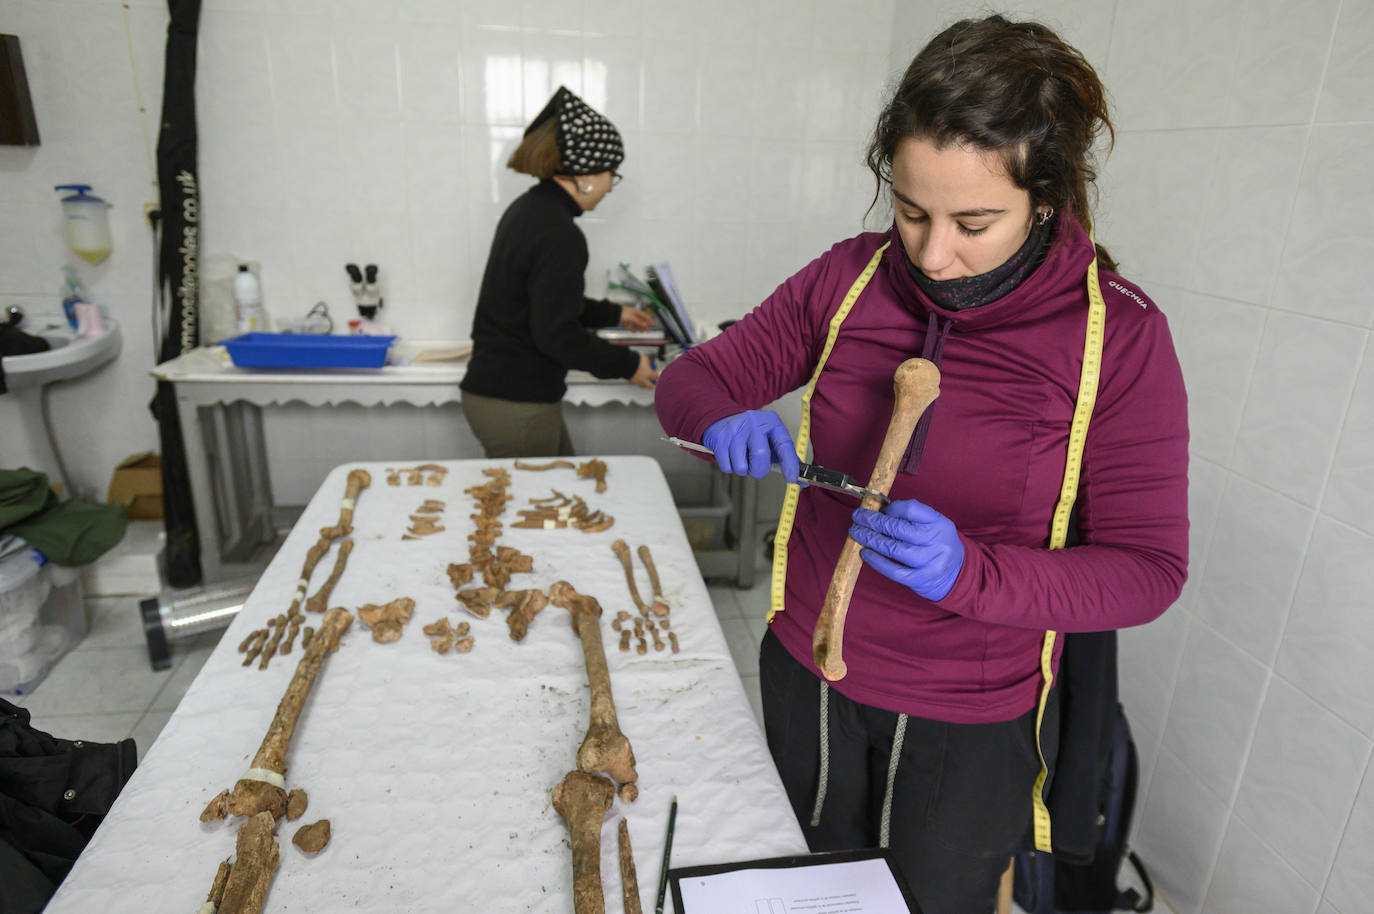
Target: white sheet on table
x=436, y=771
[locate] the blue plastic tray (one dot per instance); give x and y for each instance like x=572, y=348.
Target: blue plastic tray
x=307, y=350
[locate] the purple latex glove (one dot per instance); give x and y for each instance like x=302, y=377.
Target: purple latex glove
x=912, y=544
x=749, y=443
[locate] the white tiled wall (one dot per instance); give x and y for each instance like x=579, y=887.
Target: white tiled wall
x=1239, y=194
x=350, y=130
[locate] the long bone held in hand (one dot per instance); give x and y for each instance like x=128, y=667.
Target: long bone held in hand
x=252, y=794
x=604, y=748
x=582, y=800
x=917, y=384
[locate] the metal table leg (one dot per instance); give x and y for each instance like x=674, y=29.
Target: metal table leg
x=202, y=490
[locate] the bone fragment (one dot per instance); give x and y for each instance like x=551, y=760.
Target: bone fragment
x=441, y=627
x=672, y=639
x=312, y=838
x=259, y=638
x=290, y=637
x=629, y=882
x=459, y=574
x=387, y=620
x=594, y=469
x=217, y=808
x=582, y=800
x=216, y=896
x=916, y=384
x=256, y=858
x=524, y=605
x=522, y=465
x=296, y=802
x=478, y=600
x=625, y=640
x=464, y=645
x=270, y=650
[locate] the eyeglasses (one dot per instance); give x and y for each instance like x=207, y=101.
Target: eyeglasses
x=616, y=178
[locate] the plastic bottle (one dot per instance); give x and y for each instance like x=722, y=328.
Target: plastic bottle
x=88, y=226
x=219, y=318
x=252, y=317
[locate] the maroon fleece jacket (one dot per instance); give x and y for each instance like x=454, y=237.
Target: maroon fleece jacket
x=993, y=463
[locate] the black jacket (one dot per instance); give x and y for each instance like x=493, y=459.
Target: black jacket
x=53, y=794
x=532, y=317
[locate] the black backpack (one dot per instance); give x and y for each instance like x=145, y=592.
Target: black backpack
x=1046, y=885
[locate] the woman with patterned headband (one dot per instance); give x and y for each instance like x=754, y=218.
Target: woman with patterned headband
x=532, y=320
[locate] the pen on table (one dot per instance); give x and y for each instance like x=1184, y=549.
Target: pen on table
x=667, y=852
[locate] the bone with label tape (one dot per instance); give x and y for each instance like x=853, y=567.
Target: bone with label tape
x=356, y=482
x=917, y=384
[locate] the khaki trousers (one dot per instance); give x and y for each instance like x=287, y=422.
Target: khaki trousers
x=507, y=428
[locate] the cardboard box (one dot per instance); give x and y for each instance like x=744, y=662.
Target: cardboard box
x=137, y=486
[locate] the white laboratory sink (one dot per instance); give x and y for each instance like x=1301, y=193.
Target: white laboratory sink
x=69, y=358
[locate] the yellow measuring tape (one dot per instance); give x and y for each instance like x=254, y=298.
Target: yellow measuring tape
x=1059, y=525
x=789, y=500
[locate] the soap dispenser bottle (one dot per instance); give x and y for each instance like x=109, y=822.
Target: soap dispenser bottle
x=88, y=224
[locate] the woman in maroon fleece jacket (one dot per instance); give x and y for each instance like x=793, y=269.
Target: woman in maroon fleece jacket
x=929, y=742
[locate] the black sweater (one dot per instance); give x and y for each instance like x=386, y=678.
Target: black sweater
x=531, y=320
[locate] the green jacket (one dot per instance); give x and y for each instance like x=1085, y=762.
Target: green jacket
x=71, y=533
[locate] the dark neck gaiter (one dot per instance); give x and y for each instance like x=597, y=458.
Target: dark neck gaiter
x=971, y=291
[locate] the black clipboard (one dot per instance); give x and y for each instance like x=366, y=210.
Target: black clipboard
x=677, y=874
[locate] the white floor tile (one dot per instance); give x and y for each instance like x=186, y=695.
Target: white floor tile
x=723, y=599
x=96, y=681
x=113, y=622
x=147, y=729
x=187, y=660
x=751, y=688
x=744, y=647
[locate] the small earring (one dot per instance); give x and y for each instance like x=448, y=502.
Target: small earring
x=1047, y=215
x=585, y=188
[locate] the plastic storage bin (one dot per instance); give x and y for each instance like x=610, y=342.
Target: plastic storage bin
x=41, y=618
x=307, y=350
